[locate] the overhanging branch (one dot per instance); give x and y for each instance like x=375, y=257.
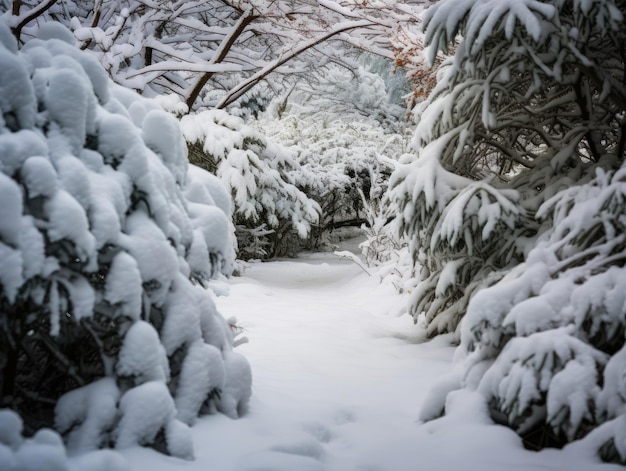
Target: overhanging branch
x=246, y=85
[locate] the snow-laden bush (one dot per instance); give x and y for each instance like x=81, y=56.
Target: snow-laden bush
x=491, y=143
x=345, y=135
x=515, y=206
x=106, y=238
x=269, y=209
x=545, y=345
x=45, y=451
x=465, y=234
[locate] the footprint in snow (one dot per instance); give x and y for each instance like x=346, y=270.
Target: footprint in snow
x=319, y=431
x=279, y=461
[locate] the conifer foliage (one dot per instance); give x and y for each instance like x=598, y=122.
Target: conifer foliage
x=107, y=237
x=270, y=211
x=514, y=204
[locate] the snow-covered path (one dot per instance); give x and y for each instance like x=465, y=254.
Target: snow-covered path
x=335, y=371
x=339, y=378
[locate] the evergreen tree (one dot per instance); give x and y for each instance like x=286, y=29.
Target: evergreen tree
x=103, y=317
x=515, y=206
x=531, y=99
x=269, y=211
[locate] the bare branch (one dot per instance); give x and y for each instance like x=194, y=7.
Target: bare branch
x=225, y=46
x=246, y=85
x=22, y=20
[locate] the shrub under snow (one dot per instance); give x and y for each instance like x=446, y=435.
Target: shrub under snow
x=545, y=345
x=527, y=266
x=344, y=135
x=107, y=237
x=269, y=209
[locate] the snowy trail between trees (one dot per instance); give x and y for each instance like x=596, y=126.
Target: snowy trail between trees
x=338, y=380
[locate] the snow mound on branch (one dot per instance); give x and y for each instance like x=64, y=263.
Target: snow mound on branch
x=235, y=396
x=142, y=356
x=94, y=407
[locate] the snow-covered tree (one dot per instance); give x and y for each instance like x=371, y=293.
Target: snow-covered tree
x=532, y=93
x=546, y=344
x=107, y=237
x=410, y=58
x=231, y=45
x=343, y=131
x=269, y=209
x=515, y=205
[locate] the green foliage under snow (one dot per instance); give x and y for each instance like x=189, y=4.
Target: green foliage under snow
x=514, y=206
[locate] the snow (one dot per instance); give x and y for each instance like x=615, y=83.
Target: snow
x=215, y=227
x=145, y=410
x=162, y=134
x=101, y=460
x=43, y=451
x=11, y=273
x=235, y=395
x=16, y=95
x=202, y=371
x=613, y=396
x=66, y=98
x=67, y=220
x=39, y=177
x=17, y=147
x=10, y=428
x=143, y=240
x=10, y=210
x=340, y=379
x=87, y=411
x=204, y=187
x=142, y=355
x=181, y=326
x=123, y=285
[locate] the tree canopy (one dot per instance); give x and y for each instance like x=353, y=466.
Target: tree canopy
x=180, y=47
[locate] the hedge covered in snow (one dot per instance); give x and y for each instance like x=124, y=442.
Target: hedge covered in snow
x=107, y=239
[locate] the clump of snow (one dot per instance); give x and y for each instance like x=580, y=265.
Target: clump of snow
x=203, y=372
x=16, y=147
x=66, y=98
x=162, y=134
x=123, y=285
x=179, y=440
x=235, y=395
x=11, y=209
x=39, y=177
x=182, y=319
x=84, y=413
x=11, y=426
x=52, y=30
x=142, y=356
x=17, y=101
x=145, y=409
x=67, y=220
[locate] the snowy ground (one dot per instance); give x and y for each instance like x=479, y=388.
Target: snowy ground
x=339, y=377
